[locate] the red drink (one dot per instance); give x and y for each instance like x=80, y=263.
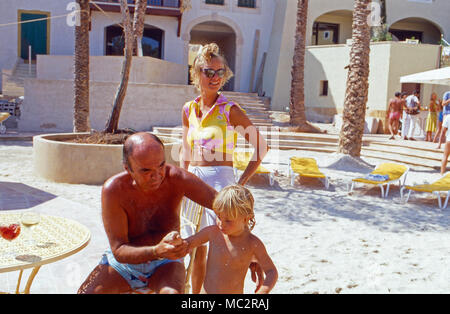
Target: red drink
x=10, y=232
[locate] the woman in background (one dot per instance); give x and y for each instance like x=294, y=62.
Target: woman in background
x=432, y=117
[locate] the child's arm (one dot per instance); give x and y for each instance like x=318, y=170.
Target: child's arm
x=267, y=265
x=200, y=237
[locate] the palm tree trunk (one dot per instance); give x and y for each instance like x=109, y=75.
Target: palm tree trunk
x=297, y=102
x=81, y=82
x=350, y=139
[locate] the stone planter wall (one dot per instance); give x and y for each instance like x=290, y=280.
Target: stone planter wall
x=64, y=162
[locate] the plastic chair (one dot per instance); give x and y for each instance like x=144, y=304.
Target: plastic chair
x=240, y=162
x=305, y=167
x=438, y=186
x=394, y=172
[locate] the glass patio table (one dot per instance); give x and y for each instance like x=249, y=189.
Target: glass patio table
x=52, y=239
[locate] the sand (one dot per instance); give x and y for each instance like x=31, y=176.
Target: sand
x=322, y=241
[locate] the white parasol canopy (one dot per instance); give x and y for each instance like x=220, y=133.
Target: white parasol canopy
x=438, y=76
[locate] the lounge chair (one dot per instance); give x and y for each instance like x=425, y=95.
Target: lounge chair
x=3, y=117
x=384, y=174
x=305, y=167
x=240, y=162
x=438, y=186
x=191, y=217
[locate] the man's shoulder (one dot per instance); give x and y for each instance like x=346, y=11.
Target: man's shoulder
x=117, y=182
x=177, y=174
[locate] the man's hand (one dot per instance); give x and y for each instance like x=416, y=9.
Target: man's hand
x=171, y=246
x=173, y=238
x=257, y=275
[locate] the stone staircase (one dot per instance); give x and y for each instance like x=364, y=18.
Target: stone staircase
x=13, y=80
x=418, y=153
x=257, y=108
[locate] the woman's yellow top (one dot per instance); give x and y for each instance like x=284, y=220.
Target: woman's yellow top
x=213, y=131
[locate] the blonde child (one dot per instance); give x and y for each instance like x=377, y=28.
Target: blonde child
x=232, y=246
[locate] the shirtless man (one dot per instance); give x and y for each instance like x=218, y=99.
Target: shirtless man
x=139, y=208
x=395, y=109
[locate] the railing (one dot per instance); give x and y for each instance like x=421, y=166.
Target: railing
x=154, y=3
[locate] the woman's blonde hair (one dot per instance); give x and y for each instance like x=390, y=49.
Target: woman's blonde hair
x=205, y=54
x=235, y=201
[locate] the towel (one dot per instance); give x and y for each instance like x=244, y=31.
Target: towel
x=377, y=177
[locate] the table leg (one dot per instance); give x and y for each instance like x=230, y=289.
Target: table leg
x=30, y=279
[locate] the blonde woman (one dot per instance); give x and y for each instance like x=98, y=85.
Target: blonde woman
x=210, y=126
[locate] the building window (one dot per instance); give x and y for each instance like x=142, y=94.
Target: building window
x=247, y=3
x=216, y=2
x=152, y=41
x=325, y=33
x=323, y=88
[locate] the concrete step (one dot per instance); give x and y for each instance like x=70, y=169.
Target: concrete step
x=227, y=93
x=396, y=151
x=407, y=152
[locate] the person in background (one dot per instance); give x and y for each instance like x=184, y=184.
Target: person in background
x=440, y=119
x=394, y=114
x=446, y=132
x=410, y=121
x=433, y=108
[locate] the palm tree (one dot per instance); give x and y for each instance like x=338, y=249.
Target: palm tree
x=350, y=139
x=297, y=102
x=131, y=31
x=81, y=83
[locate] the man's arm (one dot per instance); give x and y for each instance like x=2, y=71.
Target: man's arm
x=197, y=190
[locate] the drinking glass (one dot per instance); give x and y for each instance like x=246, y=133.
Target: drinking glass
x=29, y=220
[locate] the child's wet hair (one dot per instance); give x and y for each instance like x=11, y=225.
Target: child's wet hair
x=235, y=201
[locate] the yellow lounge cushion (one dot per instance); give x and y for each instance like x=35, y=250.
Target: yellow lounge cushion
x=393, y=170
x=306, y=167
x=241, y=160
x=442, y=184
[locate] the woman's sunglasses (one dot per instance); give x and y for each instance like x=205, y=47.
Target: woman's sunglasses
x=210, y=73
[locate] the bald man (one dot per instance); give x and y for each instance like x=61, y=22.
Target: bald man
x=140, y=207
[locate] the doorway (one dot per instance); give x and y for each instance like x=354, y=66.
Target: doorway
x=33, y=34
